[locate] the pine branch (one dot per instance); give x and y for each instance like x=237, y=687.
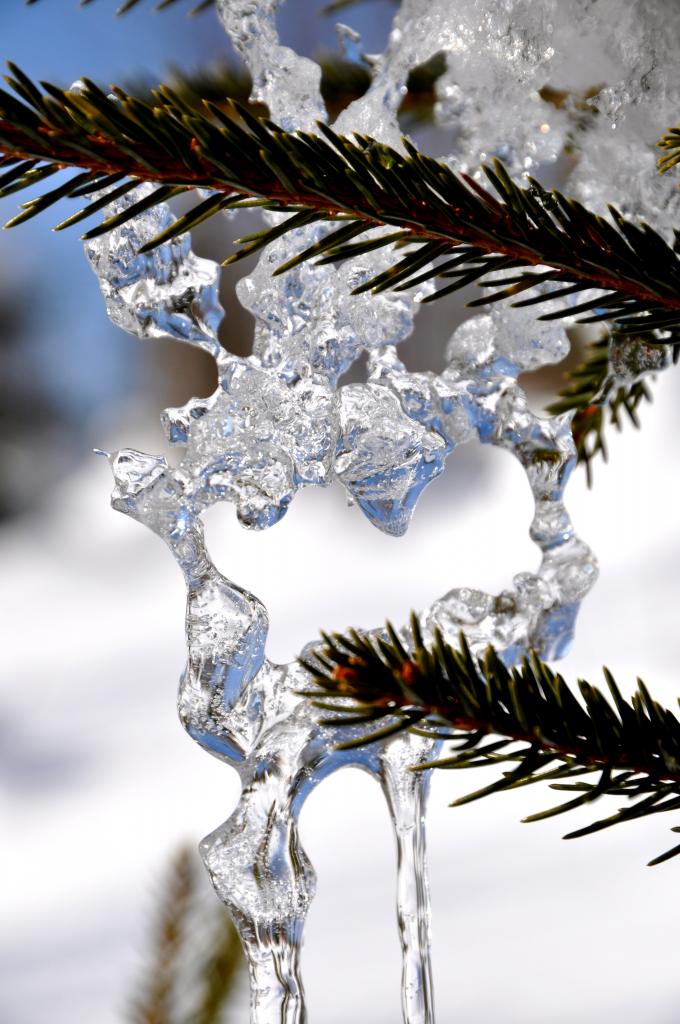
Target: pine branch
x=593, y=394
x=342, y=82
x=220, y=972
x=197, y=952
x=156, y=1004
x=223, y=80
x=525, y=720
x=336, y=6
x=330, y=178
x=204, y=5
x=671, y=143
x=161, y=5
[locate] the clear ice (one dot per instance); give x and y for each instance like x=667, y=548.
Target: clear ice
x=279, y=420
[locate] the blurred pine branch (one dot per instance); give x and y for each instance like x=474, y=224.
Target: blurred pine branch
x=196, y=960
x=598, y=399
x=161, y=5
x=342, y=82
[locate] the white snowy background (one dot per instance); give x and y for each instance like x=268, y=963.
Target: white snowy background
x=100, y=785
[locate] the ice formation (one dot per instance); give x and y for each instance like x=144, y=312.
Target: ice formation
x=280, y=421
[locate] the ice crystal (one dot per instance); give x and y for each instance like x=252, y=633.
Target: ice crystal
x=282, y=419
x=500, y=50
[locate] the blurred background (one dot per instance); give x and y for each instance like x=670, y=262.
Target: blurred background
x=101, y=786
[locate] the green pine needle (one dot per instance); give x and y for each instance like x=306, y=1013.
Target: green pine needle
x=598, y=401
x=538, y=730
x=670, y=142
x=161, y=5
x=471, y=232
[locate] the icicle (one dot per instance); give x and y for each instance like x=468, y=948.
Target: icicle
x=278, y=421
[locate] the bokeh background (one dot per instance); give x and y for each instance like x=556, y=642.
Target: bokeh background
x=100, y=785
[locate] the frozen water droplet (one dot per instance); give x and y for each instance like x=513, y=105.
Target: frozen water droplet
x=168, y=292
x=384, y=457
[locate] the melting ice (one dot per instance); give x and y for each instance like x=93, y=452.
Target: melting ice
x=279, y=421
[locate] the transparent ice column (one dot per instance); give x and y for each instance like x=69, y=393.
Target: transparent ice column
x=279, y=420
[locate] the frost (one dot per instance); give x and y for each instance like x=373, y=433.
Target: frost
x=635, y=46
x=497, y=59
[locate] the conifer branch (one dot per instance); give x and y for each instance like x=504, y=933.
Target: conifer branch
x=336, y=6
x=205, y=965
x=595, y=397
x=540, y=237
x=155, y=1006
x=219, y=972
x=671, y=143
x=161, y=5
x=203, y=5
x=342, y=82
x=525, y=720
